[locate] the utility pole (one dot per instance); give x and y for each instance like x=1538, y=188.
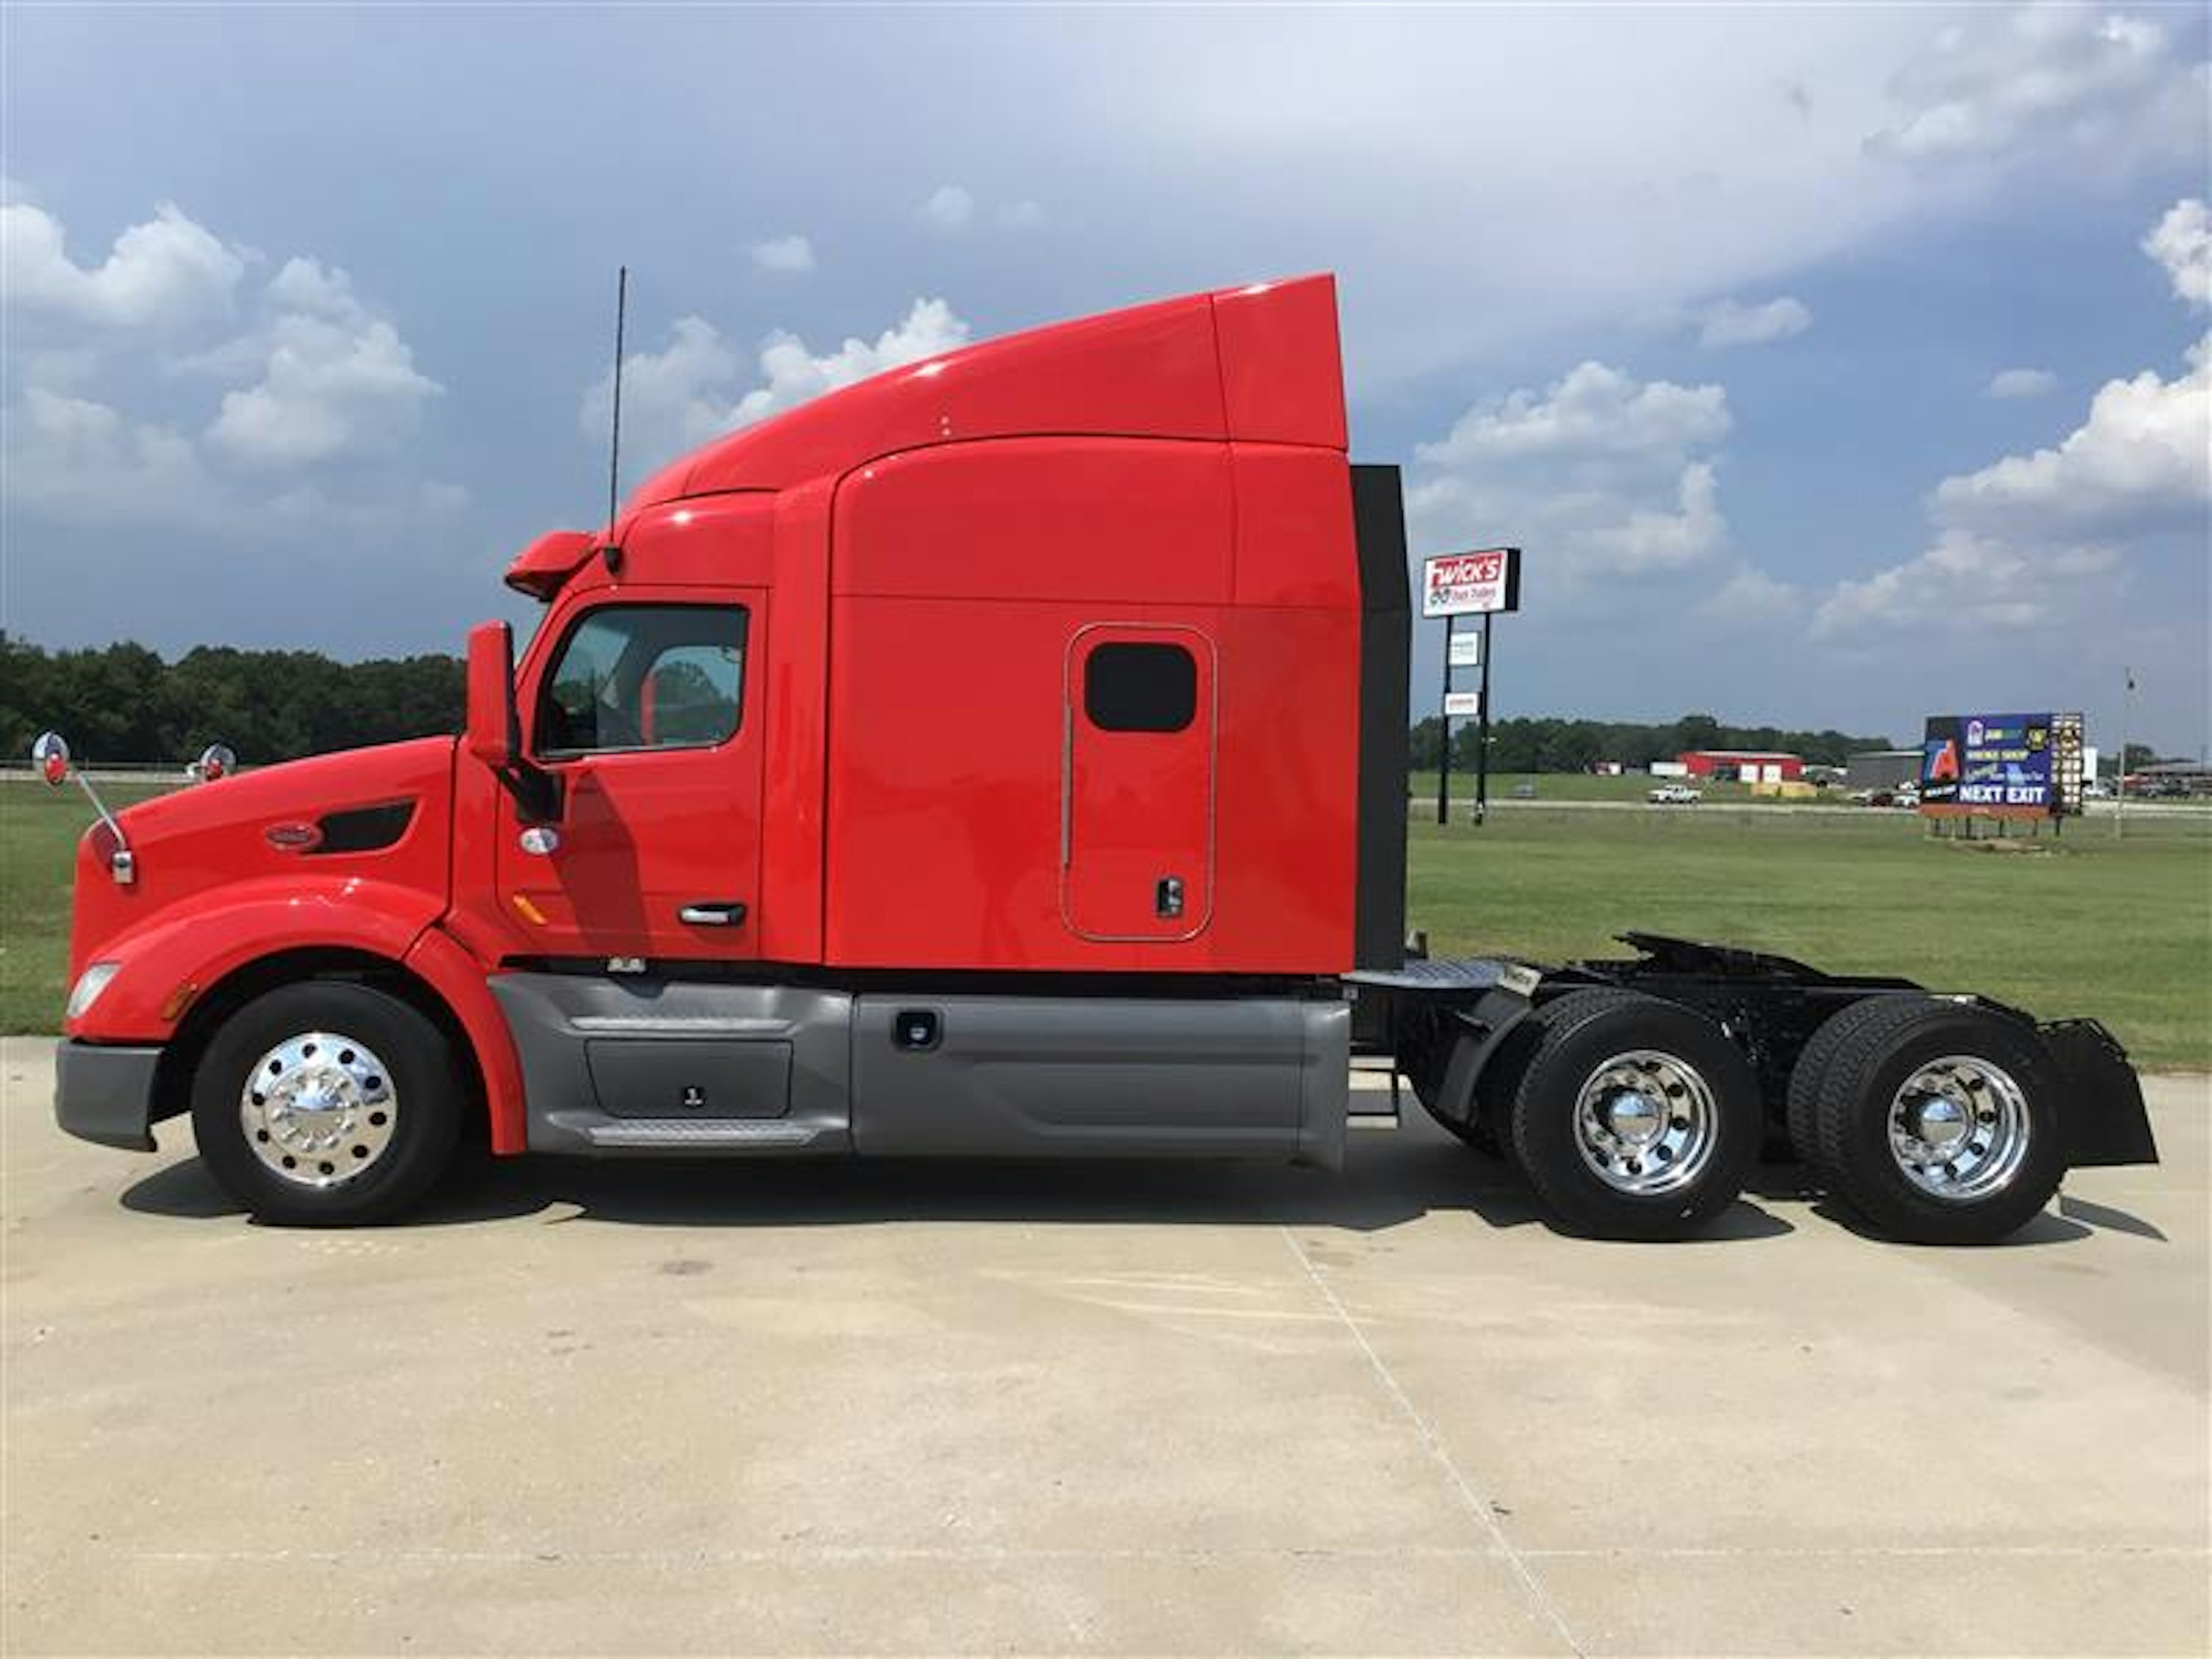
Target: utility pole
x=2120, y=772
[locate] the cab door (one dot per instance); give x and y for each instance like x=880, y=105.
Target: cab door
x=1136, y=783
x=644, y=710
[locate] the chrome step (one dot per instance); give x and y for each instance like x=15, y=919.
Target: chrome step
x=677, y=1025
x=699, y=1133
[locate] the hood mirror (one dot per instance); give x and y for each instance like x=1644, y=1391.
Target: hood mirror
x=51, y=755
x=215, y=761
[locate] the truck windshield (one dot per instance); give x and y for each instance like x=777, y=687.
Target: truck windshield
x=645, y=676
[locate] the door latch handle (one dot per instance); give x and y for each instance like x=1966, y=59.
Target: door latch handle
x=714, y=913
x=1167, y=896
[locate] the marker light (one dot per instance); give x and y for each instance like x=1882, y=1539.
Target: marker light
x=89, y=984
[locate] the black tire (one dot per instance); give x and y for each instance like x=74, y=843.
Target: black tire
x=408, y=1149
x=1576, y=1039
x=1861, y=1082
x=1811, y=1070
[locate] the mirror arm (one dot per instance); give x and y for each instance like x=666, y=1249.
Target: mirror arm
x=537, y=793
x=122, y=864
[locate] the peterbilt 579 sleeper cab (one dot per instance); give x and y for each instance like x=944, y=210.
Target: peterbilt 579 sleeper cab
x=1003, y=756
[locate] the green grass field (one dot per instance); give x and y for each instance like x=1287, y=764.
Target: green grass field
x=2085, y=925
x=38, y=831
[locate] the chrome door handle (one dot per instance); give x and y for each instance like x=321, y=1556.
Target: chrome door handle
x=712, y=913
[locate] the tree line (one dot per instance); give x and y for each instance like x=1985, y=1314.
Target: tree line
x=123, y=702
x=1547, y=744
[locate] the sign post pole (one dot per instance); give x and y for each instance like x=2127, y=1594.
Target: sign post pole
x=1454, y=585
x=1482, y=734
x=1444, y=718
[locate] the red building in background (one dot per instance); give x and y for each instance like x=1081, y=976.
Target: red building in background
x=1750, y=765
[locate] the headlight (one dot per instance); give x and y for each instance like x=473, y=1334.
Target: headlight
x=89, y=984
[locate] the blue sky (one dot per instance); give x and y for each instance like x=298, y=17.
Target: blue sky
x=307, y=310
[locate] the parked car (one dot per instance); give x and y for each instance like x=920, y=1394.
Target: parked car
x=1907, y=798
x=1674, y=794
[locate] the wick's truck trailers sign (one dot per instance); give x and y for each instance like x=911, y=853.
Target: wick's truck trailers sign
x=1471, y=584
x=2001, y=765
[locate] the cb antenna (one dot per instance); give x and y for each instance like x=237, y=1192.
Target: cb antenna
x=610, y=552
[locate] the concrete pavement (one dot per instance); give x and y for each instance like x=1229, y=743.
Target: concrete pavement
x=1096, y=1409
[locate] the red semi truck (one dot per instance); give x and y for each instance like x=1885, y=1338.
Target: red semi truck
x=1004, y=756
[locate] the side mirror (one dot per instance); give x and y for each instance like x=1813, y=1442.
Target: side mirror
x=493, y=729
x=51, y=755
x=495, y=733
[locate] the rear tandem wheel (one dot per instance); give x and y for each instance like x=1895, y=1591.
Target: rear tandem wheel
x=1937, y=1120
x=1634, y=1117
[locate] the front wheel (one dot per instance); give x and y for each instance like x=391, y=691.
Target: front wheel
x=326, y=1103
x=1634, y=1117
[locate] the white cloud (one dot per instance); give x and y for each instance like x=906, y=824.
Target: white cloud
x=2102, y=84
x=1609, y=474
x=1733, y=323
x=955, y=207
x=2010, y=383
x=2143, y=450
x=334, y=381
x=317, y=377
x=168, y=270
x=1752, y=597
x=81, y=461
x=1964, y=581
x=949, y=208
x=305, y=285
x=693, y=391
x=73, y=460
x=786, y=255
x=2182, y=242
x=2018, y=541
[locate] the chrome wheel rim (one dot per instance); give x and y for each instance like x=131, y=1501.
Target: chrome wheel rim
x=1646, y=1122
x=319, y=1110
x=1959, y=1127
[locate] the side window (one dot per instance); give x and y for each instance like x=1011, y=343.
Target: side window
x=645, y=676
x=1132, y=687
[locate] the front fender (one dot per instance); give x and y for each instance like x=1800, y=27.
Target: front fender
x=168, y=963
x=446, y=968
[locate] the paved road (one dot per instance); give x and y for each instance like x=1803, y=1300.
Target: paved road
x=1096, y=1409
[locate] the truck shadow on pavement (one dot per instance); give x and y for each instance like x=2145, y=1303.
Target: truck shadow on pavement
x=1388, y=1180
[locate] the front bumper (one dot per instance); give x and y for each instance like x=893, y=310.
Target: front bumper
x=105, y=1093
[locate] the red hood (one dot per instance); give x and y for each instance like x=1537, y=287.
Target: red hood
x=323, y=811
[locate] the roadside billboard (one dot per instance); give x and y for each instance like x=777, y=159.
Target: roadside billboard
x=2001, y=765
x=1469, y=584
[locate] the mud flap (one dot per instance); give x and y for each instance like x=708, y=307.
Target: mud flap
x=2106, y=1122
x=1486, y=1027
